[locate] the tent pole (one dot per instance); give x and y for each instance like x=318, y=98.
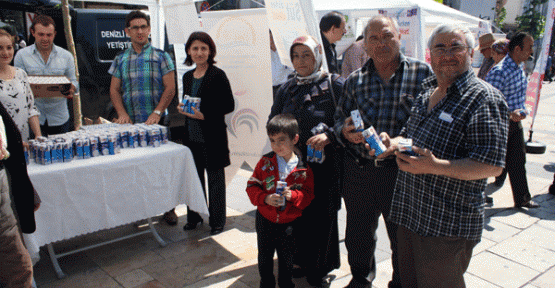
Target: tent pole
x=71, y=47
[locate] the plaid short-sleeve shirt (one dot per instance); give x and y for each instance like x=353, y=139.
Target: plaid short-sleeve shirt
x=511, y=81
x=141, y=79
x=384, y=105
x=471, y=121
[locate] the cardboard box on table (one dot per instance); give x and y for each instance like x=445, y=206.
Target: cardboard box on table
x=47, y=86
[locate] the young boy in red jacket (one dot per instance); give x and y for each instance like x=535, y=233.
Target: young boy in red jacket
x=274, y=220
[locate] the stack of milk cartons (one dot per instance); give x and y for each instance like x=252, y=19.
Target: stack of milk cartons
x=94, y=141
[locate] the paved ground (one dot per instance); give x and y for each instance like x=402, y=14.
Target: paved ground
x=517, y=247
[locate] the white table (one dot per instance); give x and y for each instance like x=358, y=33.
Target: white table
x=89, y=195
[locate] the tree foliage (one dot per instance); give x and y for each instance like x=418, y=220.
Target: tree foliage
x=500, y=15
x=531, y=20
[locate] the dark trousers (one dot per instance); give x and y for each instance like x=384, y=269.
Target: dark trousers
x=275, y=237
x=16, y=267
x=433, y=261
x=367, y=193
x=515, y=164
x=46, y=130
x=216, y=189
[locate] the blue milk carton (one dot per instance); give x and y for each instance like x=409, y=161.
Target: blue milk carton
x=68, y=151
x=357, y=121
x=86, y=148
x=280, y=187
x=79, y=149
x=103, y=144
x=95, y=149
x=374, y=140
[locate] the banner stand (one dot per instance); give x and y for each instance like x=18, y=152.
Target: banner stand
x=535, y=83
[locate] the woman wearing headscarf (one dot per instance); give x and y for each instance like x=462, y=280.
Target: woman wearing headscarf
x=311, y=96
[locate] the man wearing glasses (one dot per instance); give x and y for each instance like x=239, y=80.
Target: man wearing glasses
x=383, y=91
x=143, y=80
x=143, y=77
x=458, y=126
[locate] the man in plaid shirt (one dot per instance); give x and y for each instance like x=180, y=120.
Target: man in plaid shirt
x=143, y=81
x=143, y=77
x=383, y=91
x=459, y=127
x=510, y=79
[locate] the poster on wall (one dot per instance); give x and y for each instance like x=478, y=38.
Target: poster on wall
x=244, y=54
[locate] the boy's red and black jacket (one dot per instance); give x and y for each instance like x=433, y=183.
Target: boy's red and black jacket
x=263, y=183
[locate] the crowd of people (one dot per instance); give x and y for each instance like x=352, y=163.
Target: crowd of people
x=463, y=131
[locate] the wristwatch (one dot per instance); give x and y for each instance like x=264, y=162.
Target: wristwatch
x=157, y=112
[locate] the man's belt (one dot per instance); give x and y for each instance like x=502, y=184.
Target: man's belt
x=387, y=162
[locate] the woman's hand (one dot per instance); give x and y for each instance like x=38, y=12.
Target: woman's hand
x=196, y=115
x=318, y=142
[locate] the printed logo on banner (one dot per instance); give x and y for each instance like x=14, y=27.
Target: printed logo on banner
x=235, y=32
x=244, y=117
x=412, y=12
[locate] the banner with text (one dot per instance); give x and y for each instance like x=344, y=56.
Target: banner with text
x=289, y=19
x=181, y=20
x=243, y=46
x=409, y=28
x=535, y=82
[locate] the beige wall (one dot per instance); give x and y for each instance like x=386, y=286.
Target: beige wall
x=514, y=8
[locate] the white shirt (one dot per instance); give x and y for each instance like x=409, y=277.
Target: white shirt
x=285, y=168
x=279, y=71
x=60, y=62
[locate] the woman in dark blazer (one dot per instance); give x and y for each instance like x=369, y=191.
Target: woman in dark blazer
x=205, y=129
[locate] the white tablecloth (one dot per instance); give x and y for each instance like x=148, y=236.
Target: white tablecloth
x=89, y=195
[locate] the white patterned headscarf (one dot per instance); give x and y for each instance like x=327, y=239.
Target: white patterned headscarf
x=318, y=73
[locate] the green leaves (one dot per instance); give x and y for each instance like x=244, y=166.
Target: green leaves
x=531, y=20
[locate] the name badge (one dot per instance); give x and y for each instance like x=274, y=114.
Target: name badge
x=446, y=117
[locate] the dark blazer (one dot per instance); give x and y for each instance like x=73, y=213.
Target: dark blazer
x=331, y=55
x=216, y=101
x=21, y=188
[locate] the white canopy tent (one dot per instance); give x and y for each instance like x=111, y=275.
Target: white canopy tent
x=432, y=15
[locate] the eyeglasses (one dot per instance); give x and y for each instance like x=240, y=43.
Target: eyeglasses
x=136, y=28
x=453, y=50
